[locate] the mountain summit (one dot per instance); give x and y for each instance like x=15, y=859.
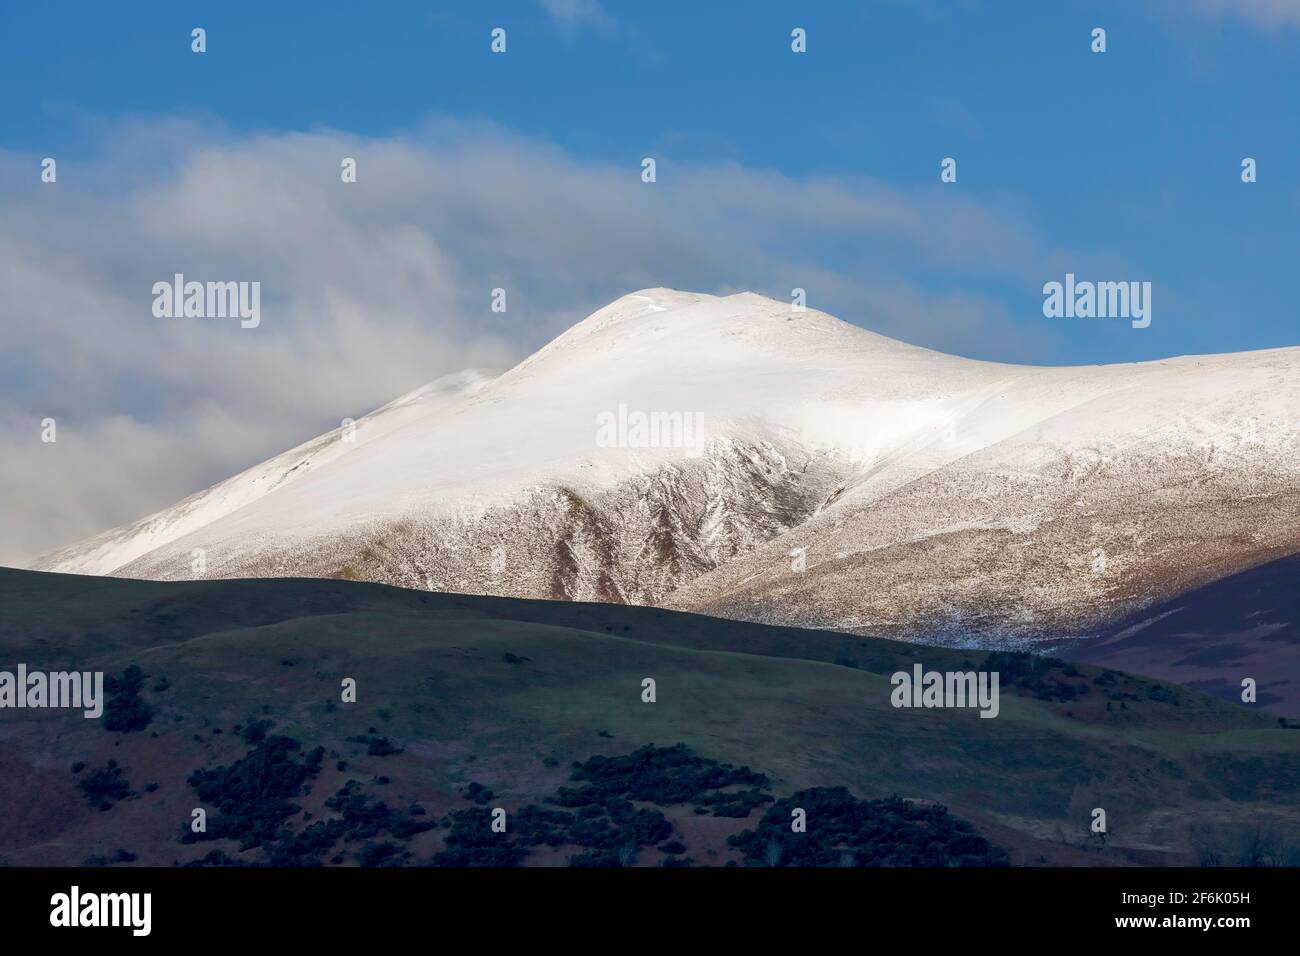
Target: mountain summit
x=732, y=456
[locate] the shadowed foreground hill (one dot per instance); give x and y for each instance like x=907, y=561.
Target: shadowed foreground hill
x=469, y=703
x=1247, y=625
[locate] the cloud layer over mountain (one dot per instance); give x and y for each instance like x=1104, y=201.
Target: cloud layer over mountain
x=372, y=288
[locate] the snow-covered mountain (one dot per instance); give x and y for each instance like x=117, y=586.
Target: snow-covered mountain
x=792, y=468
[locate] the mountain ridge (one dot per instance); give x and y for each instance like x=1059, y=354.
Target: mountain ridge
x=843, y=480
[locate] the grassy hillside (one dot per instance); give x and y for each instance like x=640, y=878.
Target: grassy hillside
x=508, y=694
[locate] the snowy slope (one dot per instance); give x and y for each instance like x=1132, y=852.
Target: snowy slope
x=1106, y=490
x=932, y=496
x=109, y=551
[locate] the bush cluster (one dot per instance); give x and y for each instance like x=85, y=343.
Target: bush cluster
x=124, y=710
x=103, y=787
x=845, y=831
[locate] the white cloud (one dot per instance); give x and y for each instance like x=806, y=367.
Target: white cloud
x=574, y=12
x=1270, y=16
x=1265, y=14
x=370, y=289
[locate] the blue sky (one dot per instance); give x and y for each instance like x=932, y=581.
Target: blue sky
x=522, y=170
x=1130, y=157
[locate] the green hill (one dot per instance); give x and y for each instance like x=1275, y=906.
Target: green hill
x=456, y=690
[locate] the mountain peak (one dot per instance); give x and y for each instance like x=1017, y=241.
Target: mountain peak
x=674, y=325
